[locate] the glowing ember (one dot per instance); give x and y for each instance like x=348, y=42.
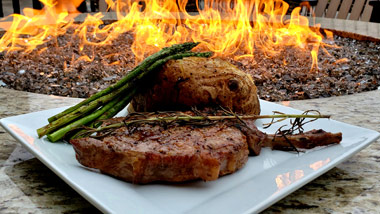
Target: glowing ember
x=232, y=28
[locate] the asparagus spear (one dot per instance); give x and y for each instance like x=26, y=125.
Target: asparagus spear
x=127, y=89
x=167, y=51
x=55, y=136
x=53, y=126
x=108, y=114
x=82, y=110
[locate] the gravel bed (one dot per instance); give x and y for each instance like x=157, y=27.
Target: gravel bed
x=352, y=68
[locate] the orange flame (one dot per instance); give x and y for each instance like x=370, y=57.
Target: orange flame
x=36, y=27
x=230, y=28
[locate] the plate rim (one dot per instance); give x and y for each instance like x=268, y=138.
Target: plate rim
x=255, y=208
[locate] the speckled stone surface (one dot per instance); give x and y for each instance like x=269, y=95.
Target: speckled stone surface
x=27, y=186
x=353, y=186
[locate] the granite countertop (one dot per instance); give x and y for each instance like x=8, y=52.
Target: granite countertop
x=28, y=186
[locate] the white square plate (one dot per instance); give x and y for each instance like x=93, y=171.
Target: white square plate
x=264, y=180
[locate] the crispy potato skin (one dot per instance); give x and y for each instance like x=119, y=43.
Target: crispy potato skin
x=200, y=82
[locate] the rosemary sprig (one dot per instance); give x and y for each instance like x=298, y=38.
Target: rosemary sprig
x=296, y=125
x=200, y=119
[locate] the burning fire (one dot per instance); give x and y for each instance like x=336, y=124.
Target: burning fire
x=230, y=28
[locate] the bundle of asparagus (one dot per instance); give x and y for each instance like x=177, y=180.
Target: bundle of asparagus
x=108, y=102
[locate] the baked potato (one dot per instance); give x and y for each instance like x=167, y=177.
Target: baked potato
x=198, y=82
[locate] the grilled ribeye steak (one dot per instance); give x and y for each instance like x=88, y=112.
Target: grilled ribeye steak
x=174, y=153
x=178, y=153
x=198, y=82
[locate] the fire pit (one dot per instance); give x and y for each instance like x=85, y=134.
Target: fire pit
x=78, y=60
x=28, y=180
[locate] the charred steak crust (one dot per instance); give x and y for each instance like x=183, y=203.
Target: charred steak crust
x=175, y=154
